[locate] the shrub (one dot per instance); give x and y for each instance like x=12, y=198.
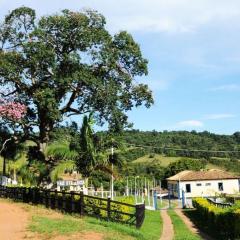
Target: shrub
x=223, y=222
x=98, y=208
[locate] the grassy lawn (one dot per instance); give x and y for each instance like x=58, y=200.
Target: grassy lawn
x=152, y=226
x=164, y=161
x=68, y=225
x=181, y=231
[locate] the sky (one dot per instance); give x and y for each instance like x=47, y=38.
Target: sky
x=193, y=49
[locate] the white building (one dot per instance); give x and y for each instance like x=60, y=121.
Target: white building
x=71, y=182
x=203, y=183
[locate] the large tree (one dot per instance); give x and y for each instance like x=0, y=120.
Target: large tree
x=69, y=64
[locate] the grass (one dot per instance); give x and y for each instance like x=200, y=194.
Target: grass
x=213, y=166
x=181, y=231
x=162, y=160
x=152, y=226
x=67, y=225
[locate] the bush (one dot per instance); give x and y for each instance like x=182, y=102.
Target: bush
x=223, y=222
x=98, y=208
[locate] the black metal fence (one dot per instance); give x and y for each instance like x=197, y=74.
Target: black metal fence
x=72, y=202
x=218, y=204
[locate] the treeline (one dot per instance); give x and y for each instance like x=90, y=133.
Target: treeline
x=184, y=144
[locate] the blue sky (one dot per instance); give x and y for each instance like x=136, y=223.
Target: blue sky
x=193, y=48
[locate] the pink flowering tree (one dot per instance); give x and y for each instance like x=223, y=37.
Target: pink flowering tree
x=11, y=110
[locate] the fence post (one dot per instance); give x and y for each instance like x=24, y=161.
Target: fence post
x=24, y=194
x=109, y=208
x=49, y=199
x=34, y=198
x=46, y=198
x=140, y=214
x=72, y=202
x=81, y=203
x=6, y=192
x=56, y=199
x=63, y=200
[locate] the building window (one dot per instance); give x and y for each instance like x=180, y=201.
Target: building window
x=208, y=184
x=188, y=188
x=220, y=186
x=199, y=184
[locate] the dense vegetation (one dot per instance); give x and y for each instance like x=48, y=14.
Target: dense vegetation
x=222, y=223
x=148, y=161
x=182, y=143
x=54, y=79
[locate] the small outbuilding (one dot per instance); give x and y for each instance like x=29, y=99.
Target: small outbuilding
x=203, y=183
x=71, y=182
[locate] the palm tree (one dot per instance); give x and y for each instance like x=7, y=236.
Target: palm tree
x=92, y=155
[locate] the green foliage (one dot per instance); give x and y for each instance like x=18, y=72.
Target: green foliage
x=32, y=174
x=232, y=165
x=53, y=77
x=89, y=158
x=220, y=222
x=61, y=168
x=95, y=207
x=61, y=151
x=130, y=155
x=161, y=142
x=184, y=164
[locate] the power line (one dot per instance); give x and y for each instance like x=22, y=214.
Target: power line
x=183, y=149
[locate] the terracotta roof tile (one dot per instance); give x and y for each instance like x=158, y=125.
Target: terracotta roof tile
x=213, y=174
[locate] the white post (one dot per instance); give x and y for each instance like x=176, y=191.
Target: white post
x=135, y=190
x=148, y=192
x=161, y=192
x=145, y=187
x=152, y=193
x=112, y=178
x=127, y=188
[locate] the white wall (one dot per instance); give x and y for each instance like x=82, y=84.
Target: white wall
x=230, y=186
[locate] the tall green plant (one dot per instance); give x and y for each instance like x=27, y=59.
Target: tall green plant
x=91, y=156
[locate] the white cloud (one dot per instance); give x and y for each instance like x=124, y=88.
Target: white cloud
x=190, y=123
x=227, y=87
x=172, y=16
x=219, y=116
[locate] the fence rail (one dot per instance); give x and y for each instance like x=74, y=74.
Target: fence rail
x=72, y=202
x=222, y=205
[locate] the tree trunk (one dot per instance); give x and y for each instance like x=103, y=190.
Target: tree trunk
x=45, y=128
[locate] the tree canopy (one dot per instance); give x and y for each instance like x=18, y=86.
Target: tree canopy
x=69, y=64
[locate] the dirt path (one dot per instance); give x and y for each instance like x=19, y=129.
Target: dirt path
x=13, y=221
x=15, y=218
x=191, y=225
x=167, y=232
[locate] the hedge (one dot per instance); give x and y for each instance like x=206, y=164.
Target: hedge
x=223, y=223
